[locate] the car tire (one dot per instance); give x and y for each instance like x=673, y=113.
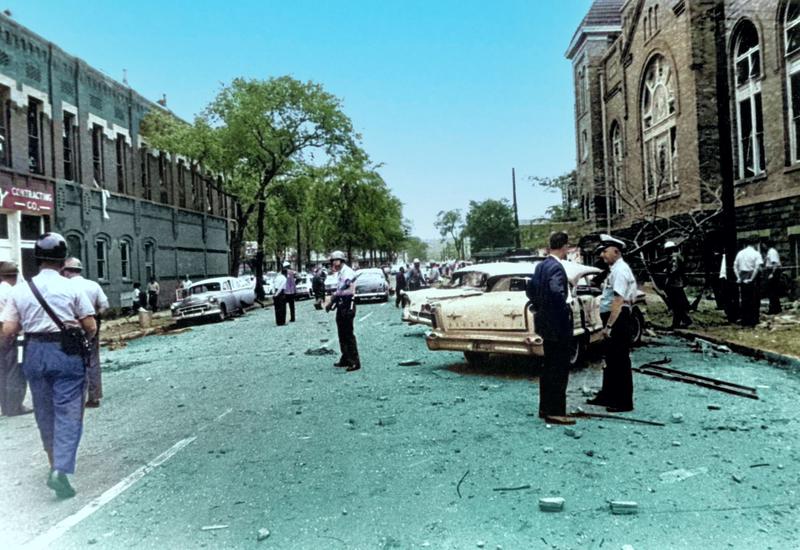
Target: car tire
x=476, y=358
x=577, y=353
x=637, y=327
x=223, y=313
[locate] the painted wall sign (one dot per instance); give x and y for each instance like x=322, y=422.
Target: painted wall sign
x=29, y=196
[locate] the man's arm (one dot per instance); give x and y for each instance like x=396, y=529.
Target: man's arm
x=89, y=326
x=616, y=308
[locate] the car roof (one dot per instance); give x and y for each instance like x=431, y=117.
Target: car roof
x=212, y=280
x=575, y=270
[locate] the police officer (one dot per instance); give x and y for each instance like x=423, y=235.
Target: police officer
x=342, y=301
x=12, y=380
x=55, y=369
x=72, y=270
x=674, y=286
x=619, y=294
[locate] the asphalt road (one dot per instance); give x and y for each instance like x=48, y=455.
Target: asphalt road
x=206, y=437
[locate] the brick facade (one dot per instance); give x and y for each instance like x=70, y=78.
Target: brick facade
x=684, y=35
x=155, y=203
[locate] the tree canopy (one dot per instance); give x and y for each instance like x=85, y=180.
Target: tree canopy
x=450, y=224
x=490, y=224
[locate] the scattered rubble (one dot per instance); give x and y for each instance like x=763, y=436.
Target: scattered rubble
x=624, y=507
x=262, y=534
x=551, y=504
x=213, y=527
x=673, y=476
x=321, y=350
x=409, y=363
x=676, y=418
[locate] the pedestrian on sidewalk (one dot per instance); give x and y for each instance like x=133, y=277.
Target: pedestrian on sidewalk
x=674, y=286
x=747, y=266
x=772, y=267
x=548, y=291
x=619, y=293
x=290, y=289
x=51, y=311
x=153, y=291
x=399, y=286
x=279, y=298
x=342, y=300
x=12, y=380
x=73, y=270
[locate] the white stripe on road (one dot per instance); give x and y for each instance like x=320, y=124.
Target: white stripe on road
x=366, y=316
x=55, y=532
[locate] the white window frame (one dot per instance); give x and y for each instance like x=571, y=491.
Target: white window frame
x=104, y=260
x=659, y=133
x=792, y=68
x=125, y=248
x=746, y=93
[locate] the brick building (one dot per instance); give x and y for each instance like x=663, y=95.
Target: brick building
x=647, y=114
x=72, y=160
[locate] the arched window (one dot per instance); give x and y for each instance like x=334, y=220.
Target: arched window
x=617, y=180
x=125, y=258
x=749, y=116
x=658, y=128
x=149, y=259
x=792, y=43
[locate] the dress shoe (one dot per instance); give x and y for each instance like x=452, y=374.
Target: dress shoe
x=351, y=368
x=619, y=409
x=560, y=420
x=58, y=482
x=341, y=364
x=597, y=400
x=92, y=404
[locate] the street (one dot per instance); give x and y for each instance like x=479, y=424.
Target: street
x=208, y=436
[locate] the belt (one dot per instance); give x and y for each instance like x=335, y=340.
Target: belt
x=43, y=336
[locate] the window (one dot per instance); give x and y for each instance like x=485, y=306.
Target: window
x=149, y=260
x=162, y=178
x=617, y=182
x=658, y=128
x=68, y=140
x=101, y=251
x=209, y=197
x=5, y=123
x=147, y=190
x=30, y=227
x=35, y=141
x=584, y=145
x=749, y=118
x=125, y=259
x=97, y=154
x=121, y=162
x=582, y=89
x=3, y=226
x=792, y=44
x=74, y=246
x=181, y=184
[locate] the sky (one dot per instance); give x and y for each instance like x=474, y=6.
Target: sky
x=448, y=95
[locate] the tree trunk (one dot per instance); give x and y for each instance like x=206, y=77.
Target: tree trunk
x=299, y=245
x=262, y=206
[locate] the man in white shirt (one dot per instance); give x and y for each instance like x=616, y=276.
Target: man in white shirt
x=279, y=298
x=12, y=379
x=747, y=267
x=772, y=268
x=72, y=270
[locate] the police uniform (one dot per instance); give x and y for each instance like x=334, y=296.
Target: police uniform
x=617, y=389
x=99, y=302
x=12, y=380
x=57, y=379
x=345, y=315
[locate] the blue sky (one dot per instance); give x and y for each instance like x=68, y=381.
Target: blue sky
x=448, y=94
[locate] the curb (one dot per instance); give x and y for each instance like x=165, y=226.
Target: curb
x=756, y=353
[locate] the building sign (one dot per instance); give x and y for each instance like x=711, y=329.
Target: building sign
x=26, y=195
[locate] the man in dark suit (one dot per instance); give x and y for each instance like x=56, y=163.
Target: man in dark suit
x=548, y=291
x=399, y=286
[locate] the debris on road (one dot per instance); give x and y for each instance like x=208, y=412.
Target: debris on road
x=213, y=527
x=714, y=407
x=673, y=476
x=551, y=504
x=655, y=368
x=573, y=433
x=262, y=534
x=321, y=350
x=409, y=363
x=676, y=418
x=460, y=481
x=624, y=507
x=580, y=413
x=520, y=488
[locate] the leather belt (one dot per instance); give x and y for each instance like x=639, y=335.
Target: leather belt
x=43, y=336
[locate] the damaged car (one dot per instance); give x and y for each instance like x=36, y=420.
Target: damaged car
x=216, y=298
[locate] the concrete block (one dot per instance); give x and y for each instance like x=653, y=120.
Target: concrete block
x=551, y=504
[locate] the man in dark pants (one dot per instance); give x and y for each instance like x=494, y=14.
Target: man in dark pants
x=400, y=285
x=342, y=301
x=12, y=380
x=619, y=294
x=747, y=266
x=772, y=270
x=674, y=286
x=548, y=292
x=318, y=286
x=279, y=298
x=290, y=290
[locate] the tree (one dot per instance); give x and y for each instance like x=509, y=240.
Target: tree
x=450, y=224
x=415, y=247
x=567, y=185
x=490, y=224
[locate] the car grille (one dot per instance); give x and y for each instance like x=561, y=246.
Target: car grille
x=192, y=310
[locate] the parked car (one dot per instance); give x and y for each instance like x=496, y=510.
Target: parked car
x=466, y=281
x=331, y=281
x=371, y=284
x=500, y=321
x=219, y=297
x=303, y=286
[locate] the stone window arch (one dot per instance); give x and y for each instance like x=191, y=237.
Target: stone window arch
x=751, y=160
x=791, y=32
x=659, y=133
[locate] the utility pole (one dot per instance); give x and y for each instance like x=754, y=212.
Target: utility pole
x=517, y=242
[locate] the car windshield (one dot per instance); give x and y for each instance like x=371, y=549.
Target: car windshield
x=205, y=287
x=506, y=283
x=370, y=276
x=475, y=279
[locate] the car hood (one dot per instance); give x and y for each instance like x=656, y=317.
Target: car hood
x=194, y=299
x=488, y=311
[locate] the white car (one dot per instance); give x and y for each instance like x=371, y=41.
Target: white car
x=218, y=297
x=501, y=321
x=467, y=281
x=303, y=286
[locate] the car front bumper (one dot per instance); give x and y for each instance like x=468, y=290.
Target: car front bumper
x=383, y=295
x=196, y=312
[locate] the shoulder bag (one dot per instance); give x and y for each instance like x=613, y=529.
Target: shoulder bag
x=73, y=340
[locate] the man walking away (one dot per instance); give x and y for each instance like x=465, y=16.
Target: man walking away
x=279, y=298
x=674, y=286
x=290, y=289
x=12, y=379
x=548, y=292
x=72, y=270
x=342, y=300
x=153, y=290
x=318, y=286
x=774, y=286
x=618, y=296
x=52, y=311
x=747, y=266
x=399, y=285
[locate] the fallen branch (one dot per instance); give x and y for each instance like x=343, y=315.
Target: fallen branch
x=584, y=414
x=520, y=488
x=460, y=481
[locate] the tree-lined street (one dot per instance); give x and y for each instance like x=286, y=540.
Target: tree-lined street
x=255, y=433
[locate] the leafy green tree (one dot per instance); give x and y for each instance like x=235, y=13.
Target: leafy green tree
x=490, y=224
x=415, y=247
x=567, y=185
x=450, y=224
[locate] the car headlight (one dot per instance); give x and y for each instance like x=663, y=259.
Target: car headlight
x=212, y=300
